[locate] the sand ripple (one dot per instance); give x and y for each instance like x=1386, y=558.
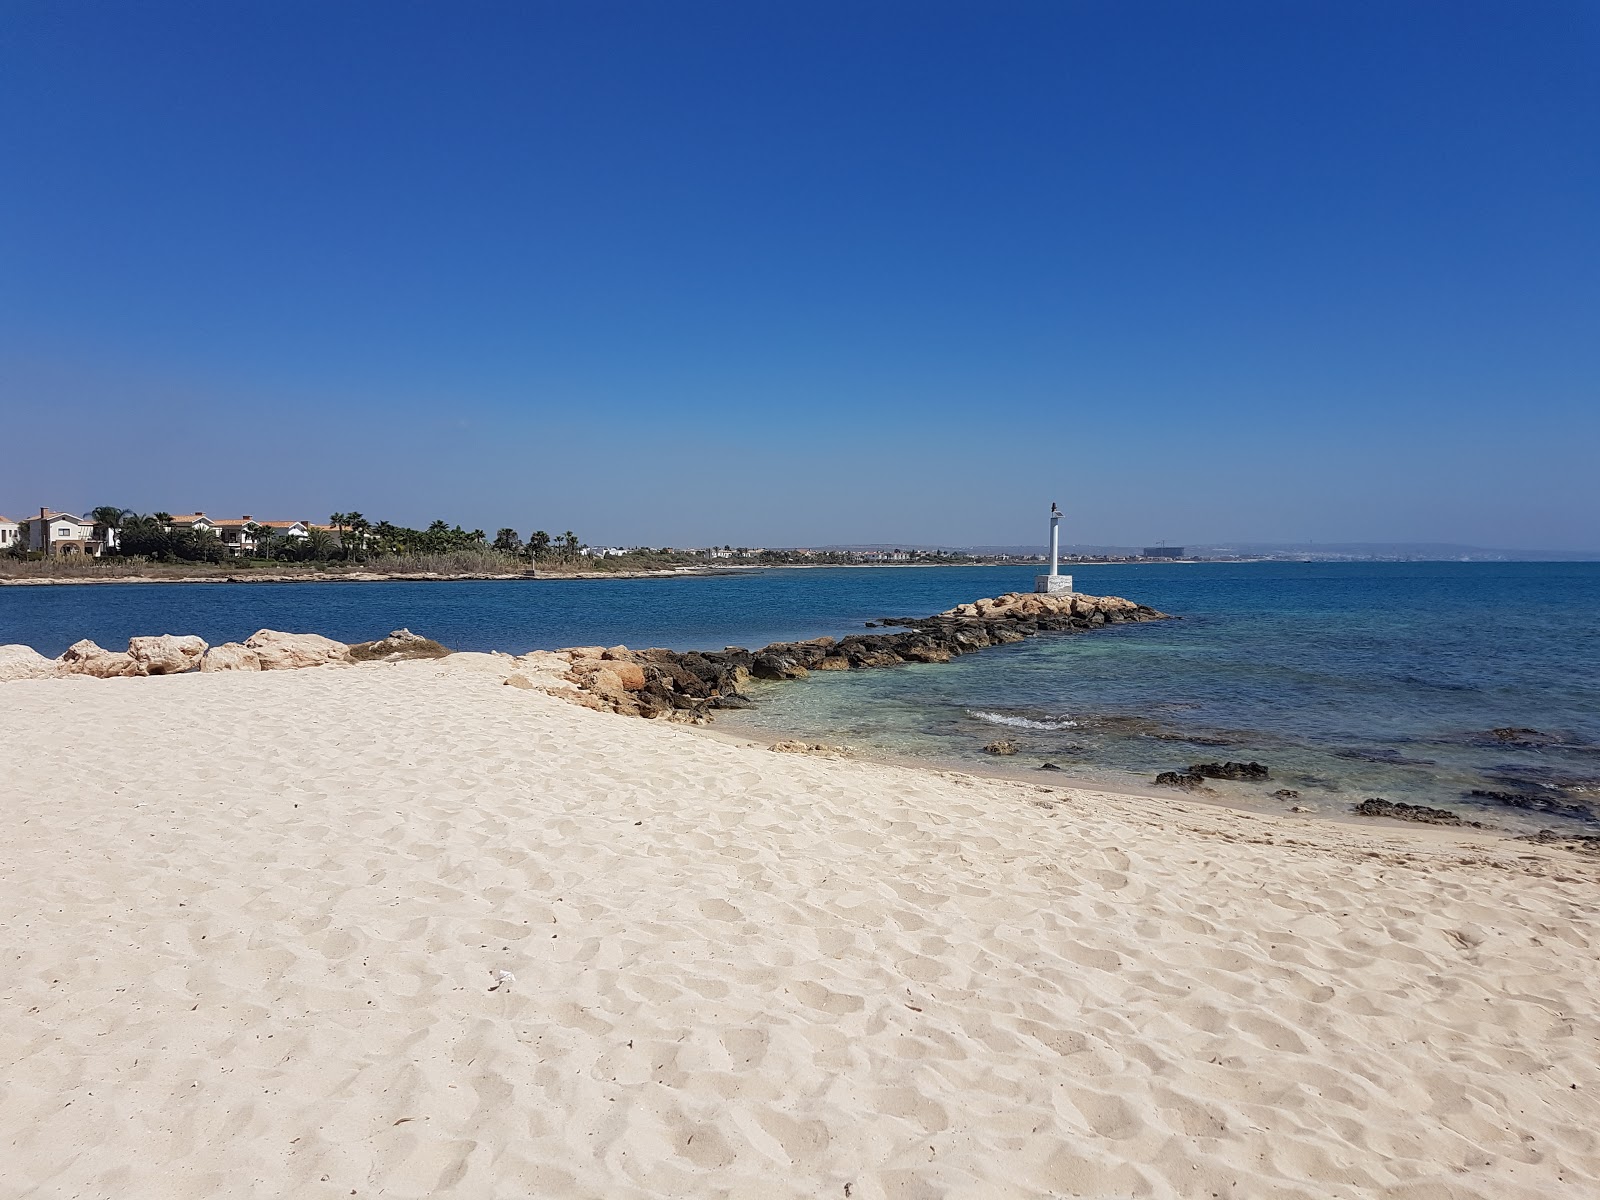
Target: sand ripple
x=250, y=925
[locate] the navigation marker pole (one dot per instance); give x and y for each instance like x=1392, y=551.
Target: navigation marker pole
x=1055, y=583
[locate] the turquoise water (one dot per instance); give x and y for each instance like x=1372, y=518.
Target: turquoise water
x=1348, y=680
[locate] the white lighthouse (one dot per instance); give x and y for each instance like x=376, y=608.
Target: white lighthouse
x=1054, y=583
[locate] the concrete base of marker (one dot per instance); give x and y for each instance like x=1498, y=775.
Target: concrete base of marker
x=1052, y=585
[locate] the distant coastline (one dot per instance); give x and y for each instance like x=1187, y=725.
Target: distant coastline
x=185, y=573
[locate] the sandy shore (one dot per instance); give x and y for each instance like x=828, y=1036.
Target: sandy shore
x=249, y=924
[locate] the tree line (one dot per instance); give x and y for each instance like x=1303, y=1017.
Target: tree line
x=351, y=538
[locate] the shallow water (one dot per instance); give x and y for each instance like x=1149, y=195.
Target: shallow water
x=1348, y=680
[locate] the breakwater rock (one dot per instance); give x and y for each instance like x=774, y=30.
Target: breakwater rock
x=690, y=686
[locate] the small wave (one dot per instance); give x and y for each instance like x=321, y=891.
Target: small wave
x=1020, y=722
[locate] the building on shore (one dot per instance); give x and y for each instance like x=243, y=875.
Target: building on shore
x=1163, y=552
x=61, y=535
x=241, y=535
x=10, y=533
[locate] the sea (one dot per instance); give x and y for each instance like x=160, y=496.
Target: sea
x=1468, y=686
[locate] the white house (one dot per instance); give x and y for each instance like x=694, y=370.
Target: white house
x=10, y=533
x=196, y=521
x=237, y=535
x=62, y=533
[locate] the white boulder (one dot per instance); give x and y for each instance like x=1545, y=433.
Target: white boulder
x=87, y=658
x=24, y=662
x=231, y=656
x=166, y=653
x=291, y=651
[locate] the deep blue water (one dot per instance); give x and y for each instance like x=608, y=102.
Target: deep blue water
x=1347, y=679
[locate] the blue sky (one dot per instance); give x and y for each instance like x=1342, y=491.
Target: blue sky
x=813, y=272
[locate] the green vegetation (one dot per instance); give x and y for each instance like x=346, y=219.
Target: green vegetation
x=149, y=545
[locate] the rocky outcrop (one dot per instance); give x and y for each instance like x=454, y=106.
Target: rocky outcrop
x=1180, y=779
x=166, y=653
x=293, y=651
x=1247, y=771
x=231, y=656
x=24, y=662
x=1002, y=749
x=87, y=658
x=399, y=646
x=691, y=686
x=1376, y=806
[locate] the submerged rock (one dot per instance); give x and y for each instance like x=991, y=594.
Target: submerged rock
x=1514, y=735
x=1532, y=802
x=1180, y=779
x=1000, y=748
x=1286, y=794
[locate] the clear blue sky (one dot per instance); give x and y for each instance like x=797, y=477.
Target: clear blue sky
x=791, y=273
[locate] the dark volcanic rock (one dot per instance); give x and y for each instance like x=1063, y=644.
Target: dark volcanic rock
x=1048, y=767
x=1252, y=771
x=1286, y=794
x=1180, y=779
x=768, y=665
x=1377, y=807
x=1002, y=748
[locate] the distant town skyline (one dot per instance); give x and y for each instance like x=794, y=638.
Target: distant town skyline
x=823, y=274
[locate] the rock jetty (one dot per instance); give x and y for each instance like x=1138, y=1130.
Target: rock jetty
x=666, y=684
x=690, y=686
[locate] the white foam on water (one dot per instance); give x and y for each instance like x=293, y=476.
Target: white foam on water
x=1020, y=722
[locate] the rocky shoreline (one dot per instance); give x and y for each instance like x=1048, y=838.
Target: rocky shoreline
x=691, y=686
x=313, y=576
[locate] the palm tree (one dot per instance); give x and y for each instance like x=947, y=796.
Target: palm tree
x=391, y=539
x=359, y=526
x=538, y=544
x=108, y=520
x=317, y=545
x=569, y=545
x=506, y=541
x=261, y=536
x=147, y=536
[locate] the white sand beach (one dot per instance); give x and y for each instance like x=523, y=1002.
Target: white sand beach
x=251, y=924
